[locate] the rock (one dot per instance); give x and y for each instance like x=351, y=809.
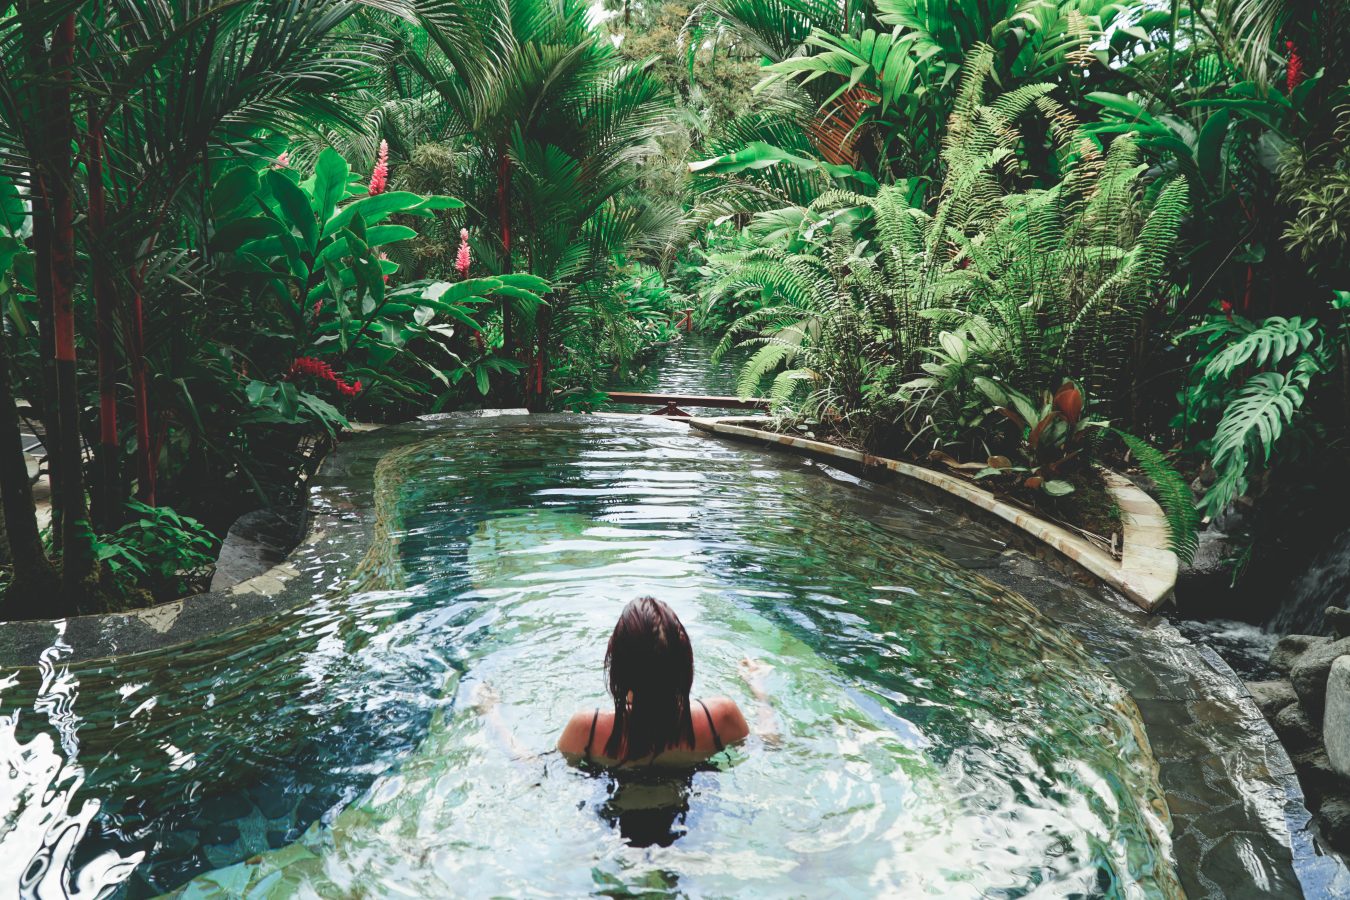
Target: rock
x=1336, y=723
x=1272, y=696
x=1291, y=647
x=1204, y=583
x=1295, y=729
x=1317, y=776
x=1310, y=672
x=1338, y=620
x=256, y=542
x=1334, y=816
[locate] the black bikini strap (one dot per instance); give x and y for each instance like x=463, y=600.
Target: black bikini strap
x=595, y=718
x=711, y=726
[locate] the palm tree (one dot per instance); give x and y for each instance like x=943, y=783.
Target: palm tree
x=154, y=96
x=548, y=123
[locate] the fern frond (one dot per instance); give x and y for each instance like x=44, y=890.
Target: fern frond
x=1174, y=495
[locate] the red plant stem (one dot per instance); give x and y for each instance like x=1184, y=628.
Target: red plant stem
x=77, y=538
x=108, y=493
x=145, y=453
x=504, y=217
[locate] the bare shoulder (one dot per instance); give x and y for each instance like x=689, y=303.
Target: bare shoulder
x=727, y=716
x=576, y=733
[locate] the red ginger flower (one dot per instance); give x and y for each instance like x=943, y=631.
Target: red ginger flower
x=1294, y=76
x=283, y=161
x=462, y=259
x=379, y=179
x=317, y=368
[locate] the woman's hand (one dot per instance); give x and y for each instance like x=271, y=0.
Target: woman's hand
x=484, y=697
x=753, y=672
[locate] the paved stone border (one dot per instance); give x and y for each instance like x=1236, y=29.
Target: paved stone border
x=337, y=519
x=1146, y=573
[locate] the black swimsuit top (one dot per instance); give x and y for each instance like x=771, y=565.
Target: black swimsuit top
x=713, y=728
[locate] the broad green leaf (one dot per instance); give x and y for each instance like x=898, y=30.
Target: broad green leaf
x=330, y=184
x=233, y=235
x=382, y=206
x=13, y=214
x=761, y=155
x=296, y=208
x=233, y=189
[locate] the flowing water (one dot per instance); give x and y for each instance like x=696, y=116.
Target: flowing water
x=937, y=735
x=683, y=367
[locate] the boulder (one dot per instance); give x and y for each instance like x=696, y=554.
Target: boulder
x=1318, y=778
x=1272, y=696
x=1310, y=672
x=1336, y=722
x=1334, y=816
x=1291, y=647
x=1338, y=620
x=1295, y=729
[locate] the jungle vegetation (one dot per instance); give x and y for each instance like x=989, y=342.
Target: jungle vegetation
x=1011, y=238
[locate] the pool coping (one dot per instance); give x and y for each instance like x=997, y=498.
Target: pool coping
x=1146, y=573
x=98, y=636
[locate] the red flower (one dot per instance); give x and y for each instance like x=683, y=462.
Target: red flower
x=379, y=179
x=1227, y=309
x=1294, y=76
x=462, y=259
x=317, y=368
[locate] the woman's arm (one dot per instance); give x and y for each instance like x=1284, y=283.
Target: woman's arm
x=486, y=701
x=753, y=672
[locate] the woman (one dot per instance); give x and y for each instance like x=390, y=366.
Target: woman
x=650, y=667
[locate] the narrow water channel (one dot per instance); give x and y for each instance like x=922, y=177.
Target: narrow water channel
x=683, y=367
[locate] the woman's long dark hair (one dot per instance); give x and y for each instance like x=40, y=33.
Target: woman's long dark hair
x=649, y=655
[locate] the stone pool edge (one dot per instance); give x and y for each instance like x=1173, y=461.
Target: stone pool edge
x=1146, y=573
x=330, y=519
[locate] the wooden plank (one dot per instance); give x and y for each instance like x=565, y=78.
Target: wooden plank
x=688, y=400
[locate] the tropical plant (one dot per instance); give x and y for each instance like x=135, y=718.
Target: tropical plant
x=157, y=550
x=548, y=123
x=1256, y=377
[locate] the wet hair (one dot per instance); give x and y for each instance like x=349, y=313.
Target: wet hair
x=649, y=654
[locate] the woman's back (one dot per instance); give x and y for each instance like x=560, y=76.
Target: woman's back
x=716, y=723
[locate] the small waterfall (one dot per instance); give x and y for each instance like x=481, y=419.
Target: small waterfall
x=1325, y=583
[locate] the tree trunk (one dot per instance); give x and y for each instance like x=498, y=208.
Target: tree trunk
x=146, y=458
x=34, y=584
x=504, y=221
x=78, y=575
x=107, y=492
x=35, y=45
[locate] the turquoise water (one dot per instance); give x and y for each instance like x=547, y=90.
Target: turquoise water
x=938, y=737
x=684, y=367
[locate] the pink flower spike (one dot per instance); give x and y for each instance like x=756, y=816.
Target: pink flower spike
x=462, y=259
x=379, y=179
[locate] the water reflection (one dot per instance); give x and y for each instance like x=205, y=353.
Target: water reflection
x=937, y=737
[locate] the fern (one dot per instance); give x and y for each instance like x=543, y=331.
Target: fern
x=1174, y=495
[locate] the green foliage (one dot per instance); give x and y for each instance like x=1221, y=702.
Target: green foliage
x=1255, y=409
x=158, y=550
x=1174, y=494
x=316, y=248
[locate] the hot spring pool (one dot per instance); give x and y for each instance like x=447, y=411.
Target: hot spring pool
x=939, y=736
